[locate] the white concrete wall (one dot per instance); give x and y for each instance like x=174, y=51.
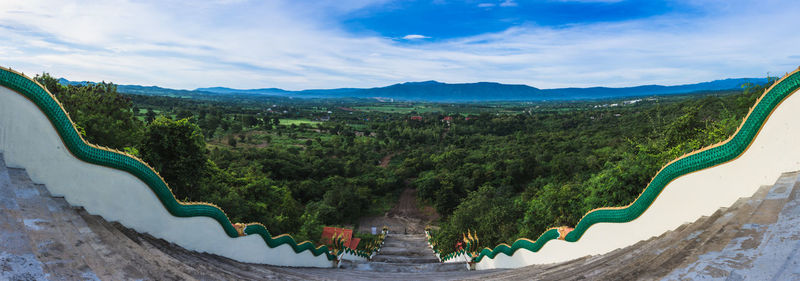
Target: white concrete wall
x=351, y=257
x=459, y=258
x=774, y=151
x=29, y=141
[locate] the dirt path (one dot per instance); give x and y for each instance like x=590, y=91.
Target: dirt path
x=386, y=159
x=406, y=217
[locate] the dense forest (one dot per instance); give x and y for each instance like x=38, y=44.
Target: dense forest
x=504, y=170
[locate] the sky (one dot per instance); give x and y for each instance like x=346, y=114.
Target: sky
x=298, y=44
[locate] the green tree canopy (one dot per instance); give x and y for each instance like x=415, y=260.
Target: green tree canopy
x=177, y=150
x=99, y=110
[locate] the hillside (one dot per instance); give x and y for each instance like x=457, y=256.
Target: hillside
x=433, y=91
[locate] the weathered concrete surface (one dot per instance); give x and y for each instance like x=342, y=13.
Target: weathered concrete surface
x=28, y=140
x=406, y=248
x=45, y=239
x=765, y=246
x=757, y=238
x=408, y=253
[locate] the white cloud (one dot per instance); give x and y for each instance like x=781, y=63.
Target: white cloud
x=415, y=37
x=505, y=3
x=508, y=3
x=592, y=1
x=278, y=44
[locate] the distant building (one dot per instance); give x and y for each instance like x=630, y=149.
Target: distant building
x=447, y=118
x=416, y=118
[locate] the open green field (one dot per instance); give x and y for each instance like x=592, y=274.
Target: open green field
x=358, y=126
x=289, y=122
x=403, y=109
x=142, y=111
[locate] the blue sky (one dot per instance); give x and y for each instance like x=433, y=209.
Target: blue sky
x=442, y=20
x=364, y=43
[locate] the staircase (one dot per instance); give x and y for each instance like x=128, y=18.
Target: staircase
x=405, y=253
x=407, y=249
x=43, y=238
x=757, y=238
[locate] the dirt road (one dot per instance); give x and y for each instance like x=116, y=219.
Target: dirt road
x=386, y=159
x=406, y=217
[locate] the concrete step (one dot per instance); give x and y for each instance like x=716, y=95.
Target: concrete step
x=403, y=267
x=7, y=196
x=404, y=259
x=731, y=223
x=627, y=262
x=404, y=242
x=17, y=255
x=653, y=258
x=423, y=251
x=405, y=249
x=781, y=260
x=681, y=246
x=147, y=264
x=126, y=261
x=44, y=238
x=407, y=237
x=612, y=259
x=46, y=231
x=758, y=246
x=65, y=214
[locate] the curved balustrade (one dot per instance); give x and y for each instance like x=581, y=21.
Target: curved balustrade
x=704, y=159
x=87, y=152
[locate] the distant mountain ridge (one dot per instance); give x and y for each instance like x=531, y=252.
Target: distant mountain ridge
x=491, y=91
x=433, y=91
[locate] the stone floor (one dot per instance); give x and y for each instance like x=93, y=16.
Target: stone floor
x=405, y=253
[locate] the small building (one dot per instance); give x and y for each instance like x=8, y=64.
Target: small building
x=416, y=118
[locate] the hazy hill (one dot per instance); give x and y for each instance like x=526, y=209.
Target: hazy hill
x=434, y=91
x=489, y=91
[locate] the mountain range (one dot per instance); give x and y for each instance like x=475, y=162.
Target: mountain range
x=433, y=91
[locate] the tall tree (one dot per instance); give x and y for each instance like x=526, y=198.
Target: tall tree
x=176, y=150
x=97, y=108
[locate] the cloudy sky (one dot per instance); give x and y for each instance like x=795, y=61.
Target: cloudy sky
x=361, y=43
